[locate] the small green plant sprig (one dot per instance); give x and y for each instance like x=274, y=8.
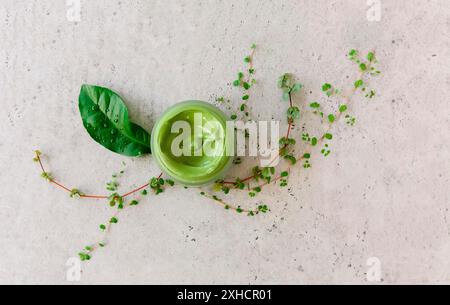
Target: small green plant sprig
x=252, y=184
x=245, y=81
x=260, y=208
x=157, y=185
x=289, y=87
x=367, y=68
x=266, y=175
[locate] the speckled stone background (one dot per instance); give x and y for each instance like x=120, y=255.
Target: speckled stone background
x=383, y=193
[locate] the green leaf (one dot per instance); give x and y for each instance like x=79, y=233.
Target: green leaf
x=331, y=118
x=291, y=158
x=285, y=81
x=296, y=88
x=326, y=87
x=328, y=136
x=315, y=105
x=293, y=113
x=314, y=141
x=263, y=208
x=343, y=108
x=84, y=256
x=105, y=117
x=371, y=56
x=359, y=83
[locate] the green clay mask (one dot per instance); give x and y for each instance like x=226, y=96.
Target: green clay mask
x=189, y=143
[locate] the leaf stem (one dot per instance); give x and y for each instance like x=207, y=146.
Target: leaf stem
x=62, y=186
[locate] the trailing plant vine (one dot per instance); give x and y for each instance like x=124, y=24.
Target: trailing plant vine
x=105, y=117
x=261, y=177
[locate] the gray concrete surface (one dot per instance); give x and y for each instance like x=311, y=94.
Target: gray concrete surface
x=383, y=193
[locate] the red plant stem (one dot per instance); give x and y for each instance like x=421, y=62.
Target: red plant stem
x=93, y=197
x=135, y=191
x=40, y=162
x=288, y=133
x=272, y=181
x=244, y=180
x=60, y=185
x=291, y=104
x=140, y=189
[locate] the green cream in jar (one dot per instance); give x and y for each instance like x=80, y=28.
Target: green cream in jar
x=204, y=125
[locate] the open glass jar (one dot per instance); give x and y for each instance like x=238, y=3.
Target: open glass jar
x=189, y=143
